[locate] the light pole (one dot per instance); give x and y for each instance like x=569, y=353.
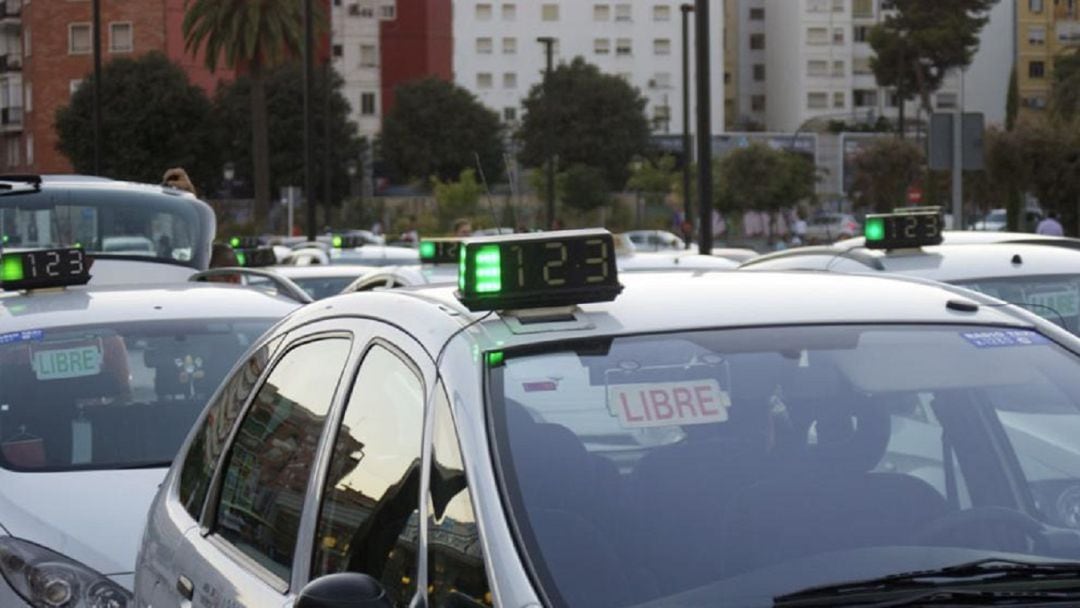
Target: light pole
x=702, y=23
x=688, y=152
x=309, y=116
x=549, y=44
x=96, y=10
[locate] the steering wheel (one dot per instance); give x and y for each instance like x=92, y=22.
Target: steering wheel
x=996, y=528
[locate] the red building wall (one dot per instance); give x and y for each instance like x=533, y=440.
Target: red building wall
x=417, y=44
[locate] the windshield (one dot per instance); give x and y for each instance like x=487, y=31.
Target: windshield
x=1055, y=297
x=324, y=287
x=110, y=221
x=111, y=395
x=733, y=466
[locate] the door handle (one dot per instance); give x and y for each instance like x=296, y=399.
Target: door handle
x=185, y=587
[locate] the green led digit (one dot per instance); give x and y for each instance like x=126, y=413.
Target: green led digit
x=12, y=268
x=337, y=242
x=461, y=268
x=488, y=270
x=875, y=229
x=241, y=259
x=234, y=242
x=427, y=250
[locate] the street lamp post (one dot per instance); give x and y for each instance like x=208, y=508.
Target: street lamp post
x=549, y=44
x=688, y=152
x=96, y=12
x=702, y=23
x=309, y=116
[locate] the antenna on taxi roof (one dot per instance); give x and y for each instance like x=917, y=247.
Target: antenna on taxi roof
x=491, y=203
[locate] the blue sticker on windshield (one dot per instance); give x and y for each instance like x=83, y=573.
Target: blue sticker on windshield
x=1004, y=337
x=32, y=335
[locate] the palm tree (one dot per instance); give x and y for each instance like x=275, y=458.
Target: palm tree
x=253, y=36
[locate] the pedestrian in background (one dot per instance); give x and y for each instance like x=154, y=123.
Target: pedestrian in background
x=178, y=178
x=1050, y=225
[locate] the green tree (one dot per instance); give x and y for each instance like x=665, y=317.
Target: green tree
x=917, y=45
x=1012, y=101
x=583, y=188
x=1065, y=96
x=1007, y=172
x=584, y=116
x=284, y=94
x=153, y=119
x=437, y=129
x=456, y=199
x=761, y=178
x=883, y=171
x=654, y=179
x=253, y=37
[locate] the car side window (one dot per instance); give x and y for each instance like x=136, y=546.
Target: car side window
x=370, y=516
x=202, y=457
x=455, y=558
x=269, y=462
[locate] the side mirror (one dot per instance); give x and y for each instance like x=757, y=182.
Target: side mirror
x=343, y=590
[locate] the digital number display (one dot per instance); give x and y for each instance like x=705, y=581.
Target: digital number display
x=903, y=230
x=440, y=251
x=44, y=268
x=538, y=270
x=341, y=241
x=256, y=258
x=244, y=242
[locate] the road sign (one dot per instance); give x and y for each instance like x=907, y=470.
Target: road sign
x=940, y=153
x=914, y=195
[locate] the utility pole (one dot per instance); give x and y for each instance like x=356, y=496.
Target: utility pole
x=958, y=161
x=327, y=161
x=309, y=116
x=704, y=124
x=688, y=152
x=96, y=10
x=549, y=44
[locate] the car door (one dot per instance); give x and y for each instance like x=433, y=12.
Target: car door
x=243, y=553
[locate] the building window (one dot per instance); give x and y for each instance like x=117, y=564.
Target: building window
x=387, y=12
x=757, y=42
x=838, y=35
x=838, y=70
x=662, y=46
x=1037, y=35
x=601, y=46
x=859, y=33
x=838, y=99
x=946, y=101
x=510, y=80
x=338, y=51
x=759, y=72
x=483, y=12
x=817, y=35
x=623, y=13
x=483, y=80
x=509, y=46
x=367, y=104
x=120, y=38
x=78, y=38
x=601, y=12
x=73, y=85
x=817, y=101
x=864, y=98
x=661, y=12
x=757, y=103
x=837, y=6
x=509, y=114
x=549, y=12
x=757, y=14
x=862, y=9
x=661, y=80
x=861, y=65
x=1036, y=69
x=484, y=46
x=509, y=12
x=817, y=6
x=369, y=55
x=14, y=152
x=624, y=46
x=1035, y=6
x=817, y=67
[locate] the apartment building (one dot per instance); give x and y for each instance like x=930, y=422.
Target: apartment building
x=1045, y=30
x=356, y=55
x=750, y=71
x=497, y=55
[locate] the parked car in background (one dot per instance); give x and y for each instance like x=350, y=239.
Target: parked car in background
x=827, y=227
x=997, y=220
x=655, y=240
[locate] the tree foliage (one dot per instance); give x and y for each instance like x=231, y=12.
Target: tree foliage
x=883, y=171
x=152, y=118
x=285, y=115
x=1065, y=96
x=436, y=129
x=653, y=178
x=917, y=45
x=583, y=188
x=456, y=199
x=585, y=117
x=761, y=178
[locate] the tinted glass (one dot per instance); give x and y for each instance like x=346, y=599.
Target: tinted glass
x=324, y=287
x=1054, y=297
x=455, y=555
x=369, y=517
x=202, y=456
x=733, y=466
x=111, y=395
x=269, y=463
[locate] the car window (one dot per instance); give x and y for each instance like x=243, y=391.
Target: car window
x=201, y=458
x=369, y=517
x=111, y=395
x=455, y=556
x=266, y=475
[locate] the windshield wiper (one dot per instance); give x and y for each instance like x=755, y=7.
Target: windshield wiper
x=983, y=582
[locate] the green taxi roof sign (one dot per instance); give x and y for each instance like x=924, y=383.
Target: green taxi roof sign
x=43, y=268
x=903, y=229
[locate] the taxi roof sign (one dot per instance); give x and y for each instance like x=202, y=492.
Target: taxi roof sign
x=257, y=257
x=537, y=270
x=43, y=268
x=244, y=242
x=440, y=251
x=346, y=241
x=904, y=229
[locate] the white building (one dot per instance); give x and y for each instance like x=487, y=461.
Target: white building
x=818, y=65
x=355, y=50
x=751, y=71
x=498, y=58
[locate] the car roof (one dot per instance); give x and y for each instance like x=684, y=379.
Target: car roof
x=119, y=304
x=940, y=263
x=672, y=259
x=676, y=301
x=323, y=270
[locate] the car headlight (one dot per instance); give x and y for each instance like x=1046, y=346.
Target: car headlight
x=47, y=579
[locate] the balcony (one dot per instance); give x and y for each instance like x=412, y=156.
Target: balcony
x=11, y=119
x=11, y=12
x=10, y=62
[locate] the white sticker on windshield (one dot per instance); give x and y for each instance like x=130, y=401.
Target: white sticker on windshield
x=1050, y=304
x=67, y=363
x=669, y=403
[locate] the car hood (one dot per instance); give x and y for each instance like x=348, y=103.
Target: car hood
x=94, y=517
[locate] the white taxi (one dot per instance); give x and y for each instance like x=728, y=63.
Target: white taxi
x=553, y=433
x=99, y=385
